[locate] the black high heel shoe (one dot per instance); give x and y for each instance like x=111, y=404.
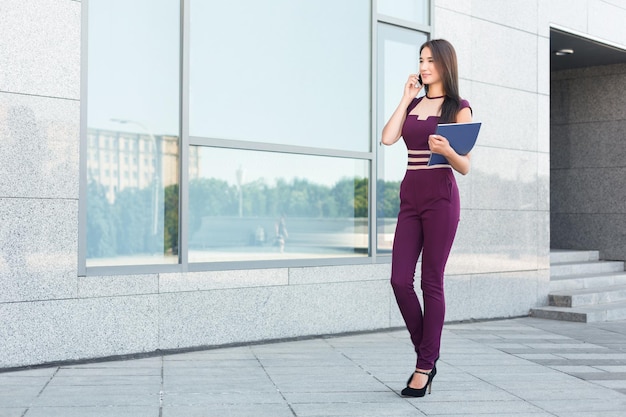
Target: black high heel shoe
x=418, y=392
x=434, y=372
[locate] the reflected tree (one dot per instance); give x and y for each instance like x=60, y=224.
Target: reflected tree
x=124, y=227
x=101, y=223
x=388, y=204
x=170, y=234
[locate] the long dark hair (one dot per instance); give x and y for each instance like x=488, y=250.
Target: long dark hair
x=444, y=56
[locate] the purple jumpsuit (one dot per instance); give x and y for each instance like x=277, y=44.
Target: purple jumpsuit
x=427, y=223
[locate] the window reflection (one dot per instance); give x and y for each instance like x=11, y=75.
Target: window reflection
x=132, y=198
x=398, y=56
x=416, y=11
x=295, y=72
x=132, y=132
x=250, y=205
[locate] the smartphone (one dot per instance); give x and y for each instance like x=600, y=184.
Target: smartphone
x=419, y=80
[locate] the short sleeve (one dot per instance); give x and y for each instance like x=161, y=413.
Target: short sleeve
x=465, y=105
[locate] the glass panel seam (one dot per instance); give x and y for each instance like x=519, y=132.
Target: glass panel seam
x=403, y=23
x=373, y=196
x=270, y=147
x=183, y=191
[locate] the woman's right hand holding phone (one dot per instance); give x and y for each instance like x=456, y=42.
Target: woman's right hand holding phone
x=393, y=129
x=412, y=87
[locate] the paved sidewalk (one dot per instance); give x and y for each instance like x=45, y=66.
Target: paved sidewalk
x=518, y=367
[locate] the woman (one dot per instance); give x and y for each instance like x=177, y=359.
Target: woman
x=429, y=201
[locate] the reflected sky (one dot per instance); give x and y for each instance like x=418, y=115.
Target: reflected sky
x=411, y=10
x=134, y=64
x=294, y=73
x=398, y=57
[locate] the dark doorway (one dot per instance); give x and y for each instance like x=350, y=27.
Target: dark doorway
x=587, y=145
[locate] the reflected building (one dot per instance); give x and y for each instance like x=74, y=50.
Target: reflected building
x=118, y=160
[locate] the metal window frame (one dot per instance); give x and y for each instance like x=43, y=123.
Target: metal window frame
x=186, y=141
x=183, y=190
x=82, y=151
x=427, y=29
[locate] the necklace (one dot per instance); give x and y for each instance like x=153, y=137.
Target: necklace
x=433, y=98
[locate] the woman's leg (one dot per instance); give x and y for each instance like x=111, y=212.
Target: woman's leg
x=439, y=224
x=407, y=245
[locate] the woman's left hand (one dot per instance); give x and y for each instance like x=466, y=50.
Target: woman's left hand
x=439, y=144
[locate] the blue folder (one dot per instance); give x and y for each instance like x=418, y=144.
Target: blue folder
x=462, y=138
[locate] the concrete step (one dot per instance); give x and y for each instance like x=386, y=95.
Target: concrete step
x=577, y=282
x=590, y=267
x=566, y=255
x=586, y=314
x=584, y=288
x=588, y=296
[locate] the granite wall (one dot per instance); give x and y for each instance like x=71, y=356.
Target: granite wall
x=39, y=147
x=587, y=170
x=499, y=266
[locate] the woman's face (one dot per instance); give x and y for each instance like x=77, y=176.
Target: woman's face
x=428, y=69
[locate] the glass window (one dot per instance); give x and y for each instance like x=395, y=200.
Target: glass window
x=133, y=91
x=251, y=205
x=398, y=56
x=294, y=73
x=415, y=11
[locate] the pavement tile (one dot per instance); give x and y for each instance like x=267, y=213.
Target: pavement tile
x=102, y=380
x=576, y=370
x=506, y=371
x=516, y=367
x=591, y=356
x=566, y=407
x=505, y=345
x=397, y=409
x=563, y=346
x=449, y=395
x=80, y=397
x=531, y=393
x=462, y=407
x=619, y=384
x=233, y=383
x=94, y=372
x=533, y=356
x=11, y=381
x=31, y=372
x=611, y=368
x=242, y=397
x=386, y=396
x=208, y=373
x=228, y=410
x=590, y=414
x=330, y=385
x=211, y=364
x=105, y=411
x=580, y=362
x=601, y=376
x=12, y=411
x=18, y=395
x=539, y=414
